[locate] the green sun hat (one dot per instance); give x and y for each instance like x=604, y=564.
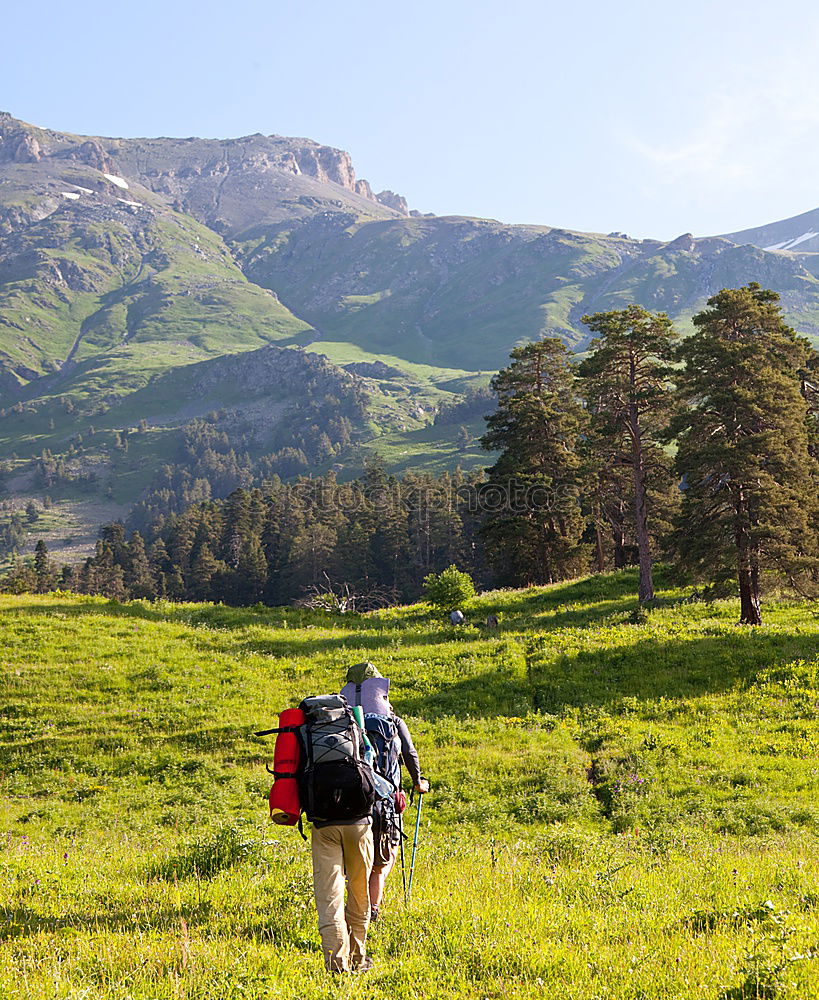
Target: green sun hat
x=361, y=672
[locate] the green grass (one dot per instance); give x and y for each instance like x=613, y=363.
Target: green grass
x=432, y=449
x=617, y=810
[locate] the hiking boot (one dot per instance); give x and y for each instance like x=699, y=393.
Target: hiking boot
x=364, y=965
x=373, y=914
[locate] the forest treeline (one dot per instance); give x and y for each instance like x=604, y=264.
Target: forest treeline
x=379, y=535
x=701, y=450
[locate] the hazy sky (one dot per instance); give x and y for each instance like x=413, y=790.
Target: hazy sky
x=646, y=116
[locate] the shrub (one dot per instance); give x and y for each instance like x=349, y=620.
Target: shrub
x=449, y=589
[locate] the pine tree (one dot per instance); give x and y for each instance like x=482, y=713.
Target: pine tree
x=21, y=579
x=252, y=571
x=236, y=526
x=203, y=570
x=139, y=580
x=628, y=393
x=533, y=524
x=114, y=536
x=749, y=481
x=44, y=572
x=105, y=575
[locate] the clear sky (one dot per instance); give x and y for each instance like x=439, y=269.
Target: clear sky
x=651, y=117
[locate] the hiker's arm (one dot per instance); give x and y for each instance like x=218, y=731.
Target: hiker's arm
x=410, y=757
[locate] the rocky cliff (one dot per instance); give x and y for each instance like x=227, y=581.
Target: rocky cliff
x=227, y=183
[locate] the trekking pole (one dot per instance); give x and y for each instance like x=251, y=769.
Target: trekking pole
x=403, y=865
x=415, y=843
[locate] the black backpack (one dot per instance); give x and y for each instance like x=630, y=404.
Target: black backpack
x=382, y=733
x=335, y=783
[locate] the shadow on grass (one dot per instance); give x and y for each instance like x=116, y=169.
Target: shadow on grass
x=21, y=921
x=204, y=859
x=17, y=922
x=647, y=671
x=603, y=595
x=206, y=615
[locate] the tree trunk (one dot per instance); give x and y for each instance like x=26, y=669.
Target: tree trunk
x=645, y=590
x=750, y=613
x=747, y=571
x=619, y=537
x=601, y=558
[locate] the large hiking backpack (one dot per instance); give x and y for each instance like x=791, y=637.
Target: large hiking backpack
x=336, y=784
x=382, y=732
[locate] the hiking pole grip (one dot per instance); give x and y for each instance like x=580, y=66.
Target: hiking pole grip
x=415, y=843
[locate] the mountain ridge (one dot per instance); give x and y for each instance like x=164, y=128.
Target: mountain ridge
x=128, y=264
x=800, y=231
x=193, y=162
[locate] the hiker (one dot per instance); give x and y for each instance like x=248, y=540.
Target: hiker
x=342, y=845
x=456, y=617
x=323, y=767
x=393, y=745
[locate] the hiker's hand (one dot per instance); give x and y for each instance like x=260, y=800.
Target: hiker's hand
x=422, y=787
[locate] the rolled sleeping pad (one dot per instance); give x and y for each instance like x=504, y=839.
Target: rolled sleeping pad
x=285, y=806
x=373, y=695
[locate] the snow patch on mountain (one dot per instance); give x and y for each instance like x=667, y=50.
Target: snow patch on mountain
x=116, y=180
x=790, y=244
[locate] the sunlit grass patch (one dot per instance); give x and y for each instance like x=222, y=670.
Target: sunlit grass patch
x=617, y=810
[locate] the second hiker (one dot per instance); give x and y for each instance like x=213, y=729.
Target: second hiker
x=392, y=743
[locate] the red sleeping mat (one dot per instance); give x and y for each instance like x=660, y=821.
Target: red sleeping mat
x=285, y=807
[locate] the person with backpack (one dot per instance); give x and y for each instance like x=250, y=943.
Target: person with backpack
x=338, y=792
x=392, y=745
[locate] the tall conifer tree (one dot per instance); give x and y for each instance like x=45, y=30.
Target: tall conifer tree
x=44, y=570
x=534, y=522
x=749, y=480
x=628, y=393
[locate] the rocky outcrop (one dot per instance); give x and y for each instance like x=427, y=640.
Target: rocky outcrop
x=394, y=201
x=92, y=153
x=273, y=368
x=19, y=146
x=374, y=369
x=227, y=183
x=287, y=161
x=685, y=242
x=327, y=164
x=28, y=150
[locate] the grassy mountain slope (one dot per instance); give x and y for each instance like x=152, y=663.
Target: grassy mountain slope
x=261, y=399
x=462, y=292
x=97, y=294
x=616, y=810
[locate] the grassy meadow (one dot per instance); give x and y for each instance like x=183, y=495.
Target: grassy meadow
x=620, y=808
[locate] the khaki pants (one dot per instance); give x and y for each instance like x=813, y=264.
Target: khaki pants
x=339, y=852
